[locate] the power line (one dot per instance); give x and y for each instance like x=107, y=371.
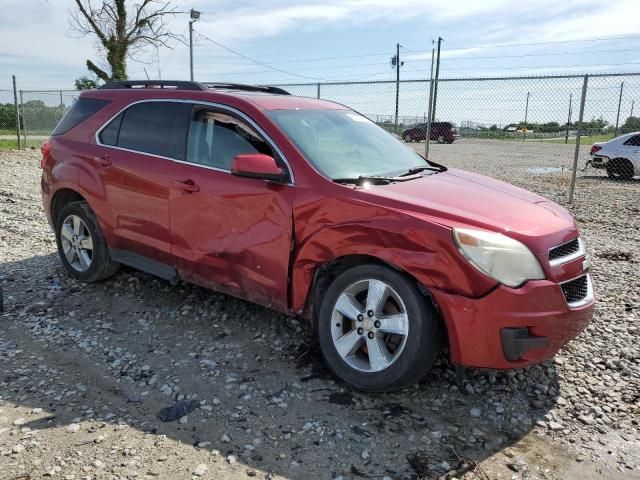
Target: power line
x=603, y=39
x=475, y=57
x=256, y=61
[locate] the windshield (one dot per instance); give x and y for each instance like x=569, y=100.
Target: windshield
x=344, y=144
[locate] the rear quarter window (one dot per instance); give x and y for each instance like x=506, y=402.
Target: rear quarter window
x=82, y=109
x=633, y=141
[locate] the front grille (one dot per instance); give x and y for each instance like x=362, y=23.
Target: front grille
x=576, y=290
x=564, y=250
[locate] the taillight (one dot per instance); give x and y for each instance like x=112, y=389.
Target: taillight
x=45, y=148
x=595, y=148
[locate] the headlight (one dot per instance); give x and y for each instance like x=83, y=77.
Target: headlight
x=501, y=257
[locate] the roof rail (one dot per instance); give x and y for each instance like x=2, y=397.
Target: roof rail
x=186, y=85
x=246, y=88
x=173, y=84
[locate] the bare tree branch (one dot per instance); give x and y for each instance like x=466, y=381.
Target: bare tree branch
x=123, y=29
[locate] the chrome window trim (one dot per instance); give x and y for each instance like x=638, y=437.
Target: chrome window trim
x=582, y=251
x=588, y=297
x=220, y=106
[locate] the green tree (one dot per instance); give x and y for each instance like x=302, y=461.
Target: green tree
x=631, y=124
x=123, y=30
x=85, y=83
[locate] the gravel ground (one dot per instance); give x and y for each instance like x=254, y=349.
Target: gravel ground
x=84, y=369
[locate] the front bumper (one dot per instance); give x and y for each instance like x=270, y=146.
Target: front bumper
x=511, y=328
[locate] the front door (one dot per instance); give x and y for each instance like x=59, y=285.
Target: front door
x=230, y=233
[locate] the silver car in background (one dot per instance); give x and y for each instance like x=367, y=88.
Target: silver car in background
x=620, y=157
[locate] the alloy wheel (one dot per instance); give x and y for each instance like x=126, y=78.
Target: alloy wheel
x=369, y=325
x=77, y=244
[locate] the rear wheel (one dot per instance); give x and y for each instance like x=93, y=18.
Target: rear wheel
x=81, y=245
x=376, y=330
x=620, y=169
x=440, y=139
x=406, y=137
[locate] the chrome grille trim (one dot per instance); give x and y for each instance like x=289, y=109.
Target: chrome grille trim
x=573, y=253
x=578, y=292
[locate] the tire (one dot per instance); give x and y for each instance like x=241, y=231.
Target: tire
x=620, y=169
x=74, y=237
x=406, y=137
x=440, y=139
x=404, y=359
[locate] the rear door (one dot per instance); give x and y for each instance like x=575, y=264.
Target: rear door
x=230, y=233
x=136, y=165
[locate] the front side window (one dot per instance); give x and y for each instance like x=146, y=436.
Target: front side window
x=158, y=128
x=215, y=138
x=344, y=144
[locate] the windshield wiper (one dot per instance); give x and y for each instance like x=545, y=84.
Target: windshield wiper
x=413, y=171
x=361, y=179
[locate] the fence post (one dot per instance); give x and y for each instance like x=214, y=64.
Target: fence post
x=578, y=133
x=618, y=115
x=15, y=102
x=318, y=96
x=24, y=124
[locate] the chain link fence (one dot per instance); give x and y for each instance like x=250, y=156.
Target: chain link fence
x=529, y=131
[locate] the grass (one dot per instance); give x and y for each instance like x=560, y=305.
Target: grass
x=583, y=140
x=12, y=144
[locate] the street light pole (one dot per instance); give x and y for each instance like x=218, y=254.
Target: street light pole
x=195, y=15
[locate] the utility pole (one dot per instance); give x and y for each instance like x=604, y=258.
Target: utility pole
x=566, y=136
x=526, y=115
x=195, y=15
x=427, y=138
x=618, y=115
x=435, y=87
x=395, y=61
x=15, y=102
x=632, y=103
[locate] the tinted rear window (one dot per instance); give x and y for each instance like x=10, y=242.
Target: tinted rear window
x=82, y=109
x=159, y=128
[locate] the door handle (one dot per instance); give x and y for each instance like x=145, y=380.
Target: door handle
x=104, y=161
x=187, y=185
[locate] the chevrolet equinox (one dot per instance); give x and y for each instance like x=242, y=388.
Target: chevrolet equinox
x=309, y=208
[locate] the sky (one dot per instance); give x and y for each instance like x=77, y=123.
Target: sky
x=351, y=40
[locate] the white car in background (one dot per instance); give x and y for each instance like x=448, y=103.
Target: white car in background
x=620, y=157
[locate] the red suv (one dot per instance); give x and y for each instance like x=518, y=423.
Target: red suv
x=309, y=208
x=442, y=132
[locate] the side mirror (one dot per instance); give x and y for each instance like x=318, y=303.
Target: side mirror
x=257, y=165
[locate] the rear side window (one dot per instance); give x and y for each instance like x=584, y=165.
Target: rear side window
x=633, y=141
x=82, y=109
x=158, y=128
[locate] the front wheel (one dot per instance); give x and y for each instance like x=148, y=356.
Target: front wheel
x=440, y=139
x=376, y=330
x=406, y=137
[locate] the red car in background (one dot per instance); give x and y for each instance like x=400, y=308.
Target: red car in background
x=441, y=132
x=311, y=209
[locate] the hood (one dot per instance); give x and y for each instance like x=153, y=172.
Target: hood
x=461, y=198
